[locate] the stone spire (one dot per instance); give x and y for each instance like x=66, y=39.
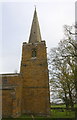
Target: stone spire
x=35, y=35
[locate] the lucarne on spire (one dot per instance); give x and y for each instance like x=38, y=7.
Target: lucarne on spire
x=35, y=35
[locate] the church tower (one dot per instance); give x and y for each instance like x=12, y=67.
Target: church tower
x=34, y=72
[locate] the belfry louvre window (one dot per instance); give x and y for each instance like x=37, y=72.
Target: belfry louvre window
x=34, y=53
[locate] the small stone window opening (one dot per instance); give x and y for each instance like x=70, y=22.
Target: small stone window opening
x=34, y=53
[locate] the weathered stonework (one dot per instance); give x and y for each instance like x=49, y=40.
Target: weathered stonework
x=35, y=80
x=28, y=91
x=11, y=95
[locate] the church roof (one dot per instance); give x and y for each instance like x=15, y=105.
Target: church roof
x=35, y=35
x=8, y=75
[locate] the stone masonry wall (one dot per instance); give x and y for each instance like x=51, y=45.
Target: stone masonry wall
x=35, y=86
x=7, y=103
x=11, y=95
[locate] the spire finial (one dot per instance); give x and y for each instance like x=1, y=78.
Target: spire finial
x=35, y=7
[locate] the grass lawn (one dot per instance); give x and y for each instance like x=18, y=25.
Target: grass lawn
x=35, y=118
x=63, y=106
x=62, y=113
x=54, y=114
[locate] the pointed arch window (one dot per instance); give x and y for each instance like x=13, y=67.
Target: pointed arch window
x=34, y=53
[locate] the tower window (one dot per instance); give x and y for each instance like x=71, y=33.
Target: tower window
x=34, y=53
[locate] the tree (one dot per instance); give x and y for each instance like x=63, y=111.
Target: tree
x=63, y=63
x=61, y=77
x=72, y=40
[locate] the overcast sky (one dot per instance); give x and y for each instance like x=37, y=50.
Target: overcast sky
x=16, y=23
